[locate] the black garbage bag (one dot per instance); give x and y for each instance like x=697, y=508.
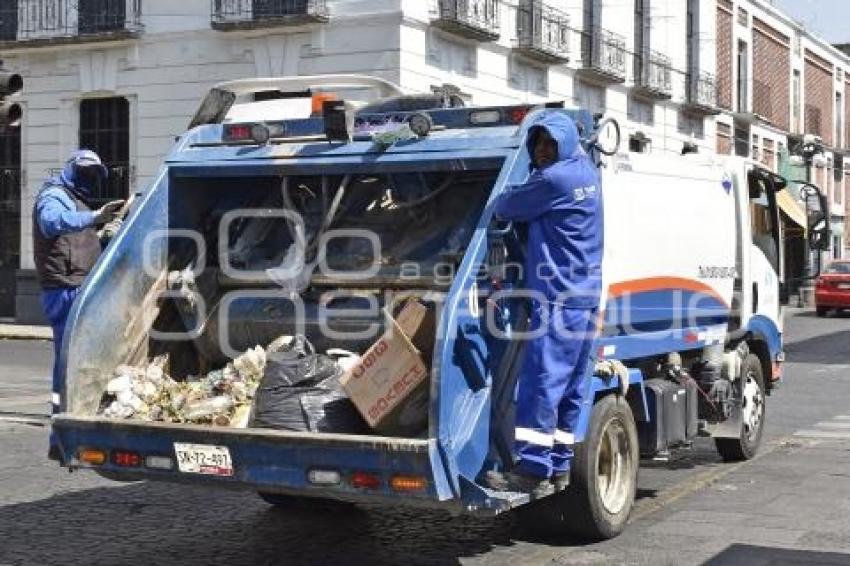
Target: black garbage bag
x=328, y=409
x=298, y=364
x=300, y=391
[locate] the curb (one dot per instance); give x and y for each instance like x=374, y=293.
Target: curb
x=21, y=332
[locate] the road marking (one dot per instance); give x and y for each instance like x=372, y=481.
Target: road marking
x=831, y=434
x=837, y=428
x=831, y=424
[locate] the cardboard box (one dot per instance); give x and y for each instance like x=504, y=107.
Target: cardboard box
x=390, y=383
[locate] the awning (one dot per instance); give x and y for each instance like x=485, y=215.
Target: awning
x=793, y=209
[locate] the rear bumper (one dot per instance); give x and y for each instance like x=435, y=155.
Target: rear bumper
x=266, y=460
x=839, y=298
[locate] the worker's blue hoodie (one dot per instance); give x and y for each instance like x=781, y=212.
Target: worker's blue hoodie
x=562, y=204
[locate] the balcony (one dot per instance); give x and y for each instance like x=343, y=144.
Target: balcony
x=701, y=96
x=229, y=15
x=542, y=32
x=46, y=22
x=472, y=19
x=603, y=57
x=652, y=76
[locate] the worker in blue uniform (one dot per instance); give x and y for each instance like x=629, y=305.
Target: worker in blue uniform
x=66, y=245
x=561, y=202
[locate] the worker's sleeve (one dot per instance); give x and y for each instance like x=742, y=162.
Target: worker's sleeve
x=535, y=197
x=55, y=218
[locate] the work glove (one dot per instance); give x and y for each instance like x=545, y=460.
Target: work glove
x=108, y=232
x=107, y=212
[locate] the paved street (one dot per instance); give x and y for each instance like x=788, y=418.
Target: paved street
x=789, y=505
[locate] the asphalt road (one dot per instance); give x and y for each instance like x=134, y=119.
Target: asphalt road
x=692, y=510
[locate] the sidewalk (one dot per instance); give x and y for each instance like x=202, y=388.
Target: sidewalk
x=23, y=332
x=788, y=506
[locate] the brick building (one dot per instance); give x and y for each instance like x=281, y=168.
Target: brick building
x=777, y=83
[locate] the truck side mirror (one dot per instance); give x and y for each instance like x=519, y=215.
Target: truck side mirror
x=816, y=212
x=819, y=232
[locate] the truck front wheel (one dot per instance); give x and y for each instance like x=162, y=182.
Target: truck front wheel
x=752, y=414
x=603, y=480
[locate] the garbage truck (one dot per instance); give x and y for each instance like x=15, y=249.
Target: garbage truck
x=691, y=310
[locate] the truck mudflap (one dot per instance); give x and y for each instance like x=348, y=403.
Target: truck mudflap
x=264, y=460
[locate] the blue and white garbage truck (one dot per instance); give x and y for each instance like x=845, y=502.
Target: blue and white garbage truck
x=692, y=302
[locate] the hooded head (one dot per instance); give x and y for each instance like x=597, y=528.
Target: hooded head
x=83, y=171
x=562, y=130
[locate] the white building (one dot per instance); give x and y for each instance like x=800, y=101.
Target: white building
x=125, y=76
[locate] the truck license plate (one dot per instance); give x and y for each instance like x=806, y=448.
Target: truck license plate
x=203, y=459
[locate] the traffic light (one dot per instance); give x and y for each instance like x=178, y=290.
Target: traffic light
x=11, y=83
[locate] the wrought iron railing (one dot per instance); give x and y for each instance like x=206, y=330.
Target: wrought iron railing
x=32, y=20
x=652, y=71
x=478, y=19
x=542, y=31
x=702, y=89
x=604, y=51
x=230, y=12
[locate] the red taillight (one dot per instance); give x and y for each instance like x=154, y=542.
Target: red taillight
x=365, y=480
x=821, y=283
x=126, y=459
x=517, y=115
x=238, y=132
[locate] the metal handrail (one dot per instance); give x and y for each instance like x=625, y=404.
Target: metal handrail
x=30, y=20
x=604, y=50
x=542, y=27
x=224, y=11
x=653, y=70
x=480, y=14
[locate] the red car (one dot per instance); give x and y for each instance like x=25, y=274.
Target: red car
x=832, y=288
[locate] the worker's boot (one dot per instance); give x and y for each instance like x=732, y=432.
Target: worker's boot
x=561, y=480
x=535, y=486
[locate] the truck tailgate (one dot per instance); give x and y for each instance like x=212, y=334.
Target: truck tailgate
x=263, y=460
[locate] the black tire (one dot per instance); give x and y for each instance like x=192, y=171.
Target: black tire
x=821, y=311
x=746, y=446
x=581, y=511
x=296, y=503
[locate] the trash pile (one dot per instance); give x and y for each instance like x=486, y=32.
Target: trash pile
x=222, y=397
x=298, y=390
x=289, y=386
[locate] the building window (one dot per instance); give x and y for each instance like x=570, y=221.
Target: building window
x=743, y=77
x=641, y=111
x=10, y=218
x=105, y=129
x=639, y=143
x=839, y=120
x=742, y=141
x=836, y=247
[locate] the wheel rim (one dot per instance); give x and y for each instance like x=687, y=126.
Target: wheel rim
x=752, y=407
x=613, y=467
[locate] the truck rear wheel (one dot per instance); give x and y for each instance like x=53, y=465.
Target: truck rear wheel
x=752, y=414
x=295, y=503
x=603, y=481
